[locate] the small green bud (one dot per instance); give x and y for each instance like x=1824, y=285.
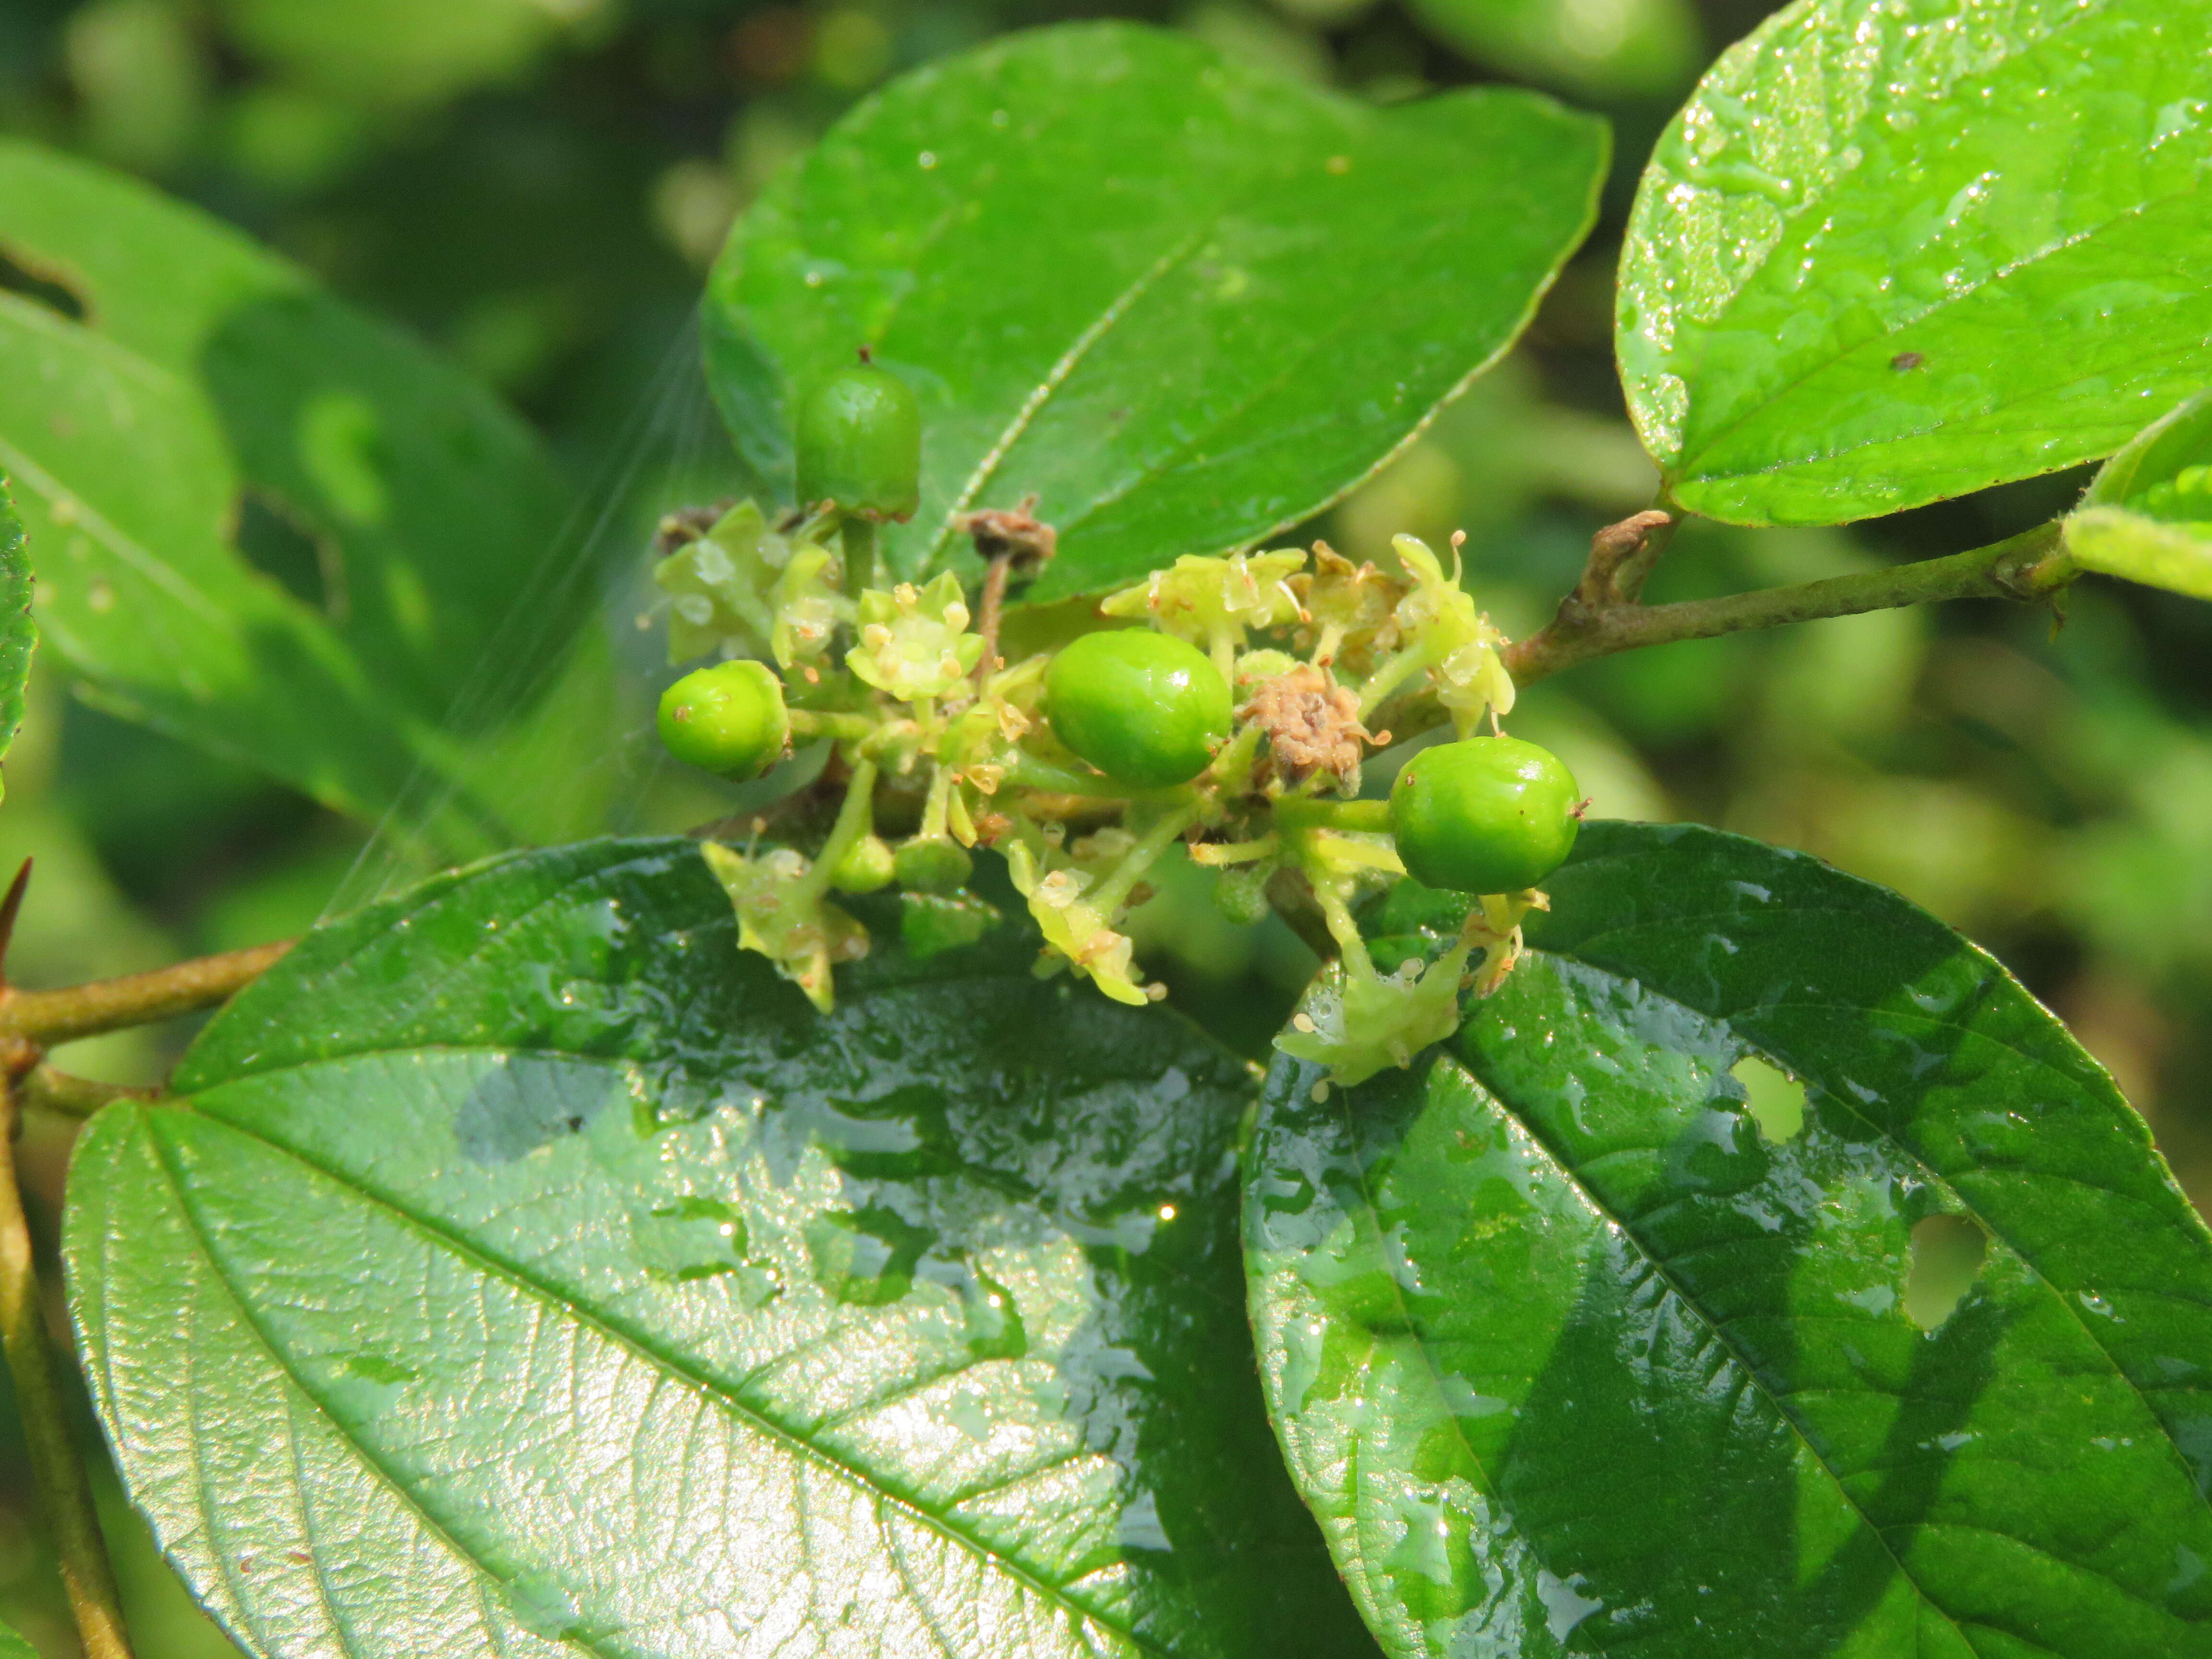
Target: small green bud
x=933, y=864
x=1486, y=814
x=728, y=719
x=866, y=866
x=1147, y=709
x=860, y=444
x=1241, y=893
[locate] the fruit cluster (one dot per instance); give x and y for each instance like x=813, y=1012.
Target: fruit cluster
x=1225, y=702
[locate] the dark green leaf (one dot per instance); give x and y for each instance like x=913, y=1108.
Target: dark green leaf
x=1894, y=253
x=18, y=635
x=1579, y=1343
x=1184, y=303
x=265, y=522
x=524, y=1262
x=2147, y=516
x=1617, y=48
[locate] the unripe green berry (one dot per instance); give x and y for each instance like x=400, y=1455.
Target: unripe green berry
x=933, y=864
x=1144, y=709
x=866, y=866
x=859, y=444
x=1241, y=894
x=728, y=719
x=1488, y=815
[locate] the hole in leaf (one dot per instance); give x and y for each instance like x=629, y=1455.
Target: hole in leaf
x=1775, y=1098
x=274, y=541
x=42, y=287
x=1947, y=1253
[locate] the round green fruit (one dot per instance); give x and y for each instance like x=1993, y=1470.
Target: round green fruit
x=933, y=864
x=728, y=719
x=1147, y=709
x=866, y=866
x=860, y=444
x=1487, y=814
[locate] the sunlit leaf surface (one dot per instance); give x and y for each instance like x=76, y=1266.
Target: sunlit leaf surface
x=1898, y=250
x=524, y=1271
x=1594, y=1333
x=1183, y=302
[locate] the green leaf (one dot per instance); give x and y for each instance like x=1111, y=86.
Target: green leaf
x=18, y=635
x=1185, y=303
x=2147, y=514
x=13, y=1646
x=1891, y=252
x=383, y=53
x=1578, y=1342
x=1614, y=48
x=525, y=1264
x=193, y=429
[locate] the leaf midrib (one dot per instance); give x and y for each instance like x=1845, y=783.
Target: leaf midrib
x=795, y=1444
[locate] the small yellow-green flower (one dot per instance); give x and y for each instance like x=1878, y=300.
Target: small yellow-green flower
x=743, y=588
x=782, y=914
x=1074, y=929
x=1215, y=602
x=913, y=643
x=1457, y=643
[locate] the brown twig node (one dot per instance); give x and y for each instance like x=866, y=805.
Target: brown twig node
x=1016, y=544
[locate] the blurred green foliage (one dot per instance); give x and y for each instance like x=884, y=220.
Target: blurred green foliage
x=537, y=186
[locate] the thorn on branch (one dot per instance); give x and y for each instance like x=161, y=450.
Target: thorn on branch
x=1621, y=557
x=11, y=907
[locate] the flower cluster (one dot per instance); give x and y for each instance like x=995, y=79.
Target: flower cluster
x=934, y=732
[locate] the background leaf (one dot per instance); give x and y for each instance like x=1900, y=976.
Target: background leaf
x=1185, y=303
x=268, y=525
x=525, y=1266
x=1894, y=253
x=18, y=635
x=1593, y=1333
x=1615, y=48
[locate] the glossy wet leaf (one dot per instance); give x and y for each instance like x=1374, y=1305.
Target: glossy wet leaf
x=524, y=1266
x=1891, y=252
x=19, y=636
x=2148, y=515
x=265, y=523
x=1576, y=1346
x=1617, y=48
x=1184, y=302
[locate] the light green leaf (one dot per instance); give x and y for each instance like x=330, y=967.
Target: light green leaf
x=2147, y=514
x=12, y=1645
x=1594, y=1333
x=179, y=404
x=1607, y=48
x=18, y=635
x=524, y=1266
x=1184, y=303
x=381, y=53
x=1894, y=251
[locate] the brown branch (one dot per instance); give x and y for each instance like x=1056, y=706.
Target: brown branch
x=1602, y=615
x=67, y=1095
x=46, y=1019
